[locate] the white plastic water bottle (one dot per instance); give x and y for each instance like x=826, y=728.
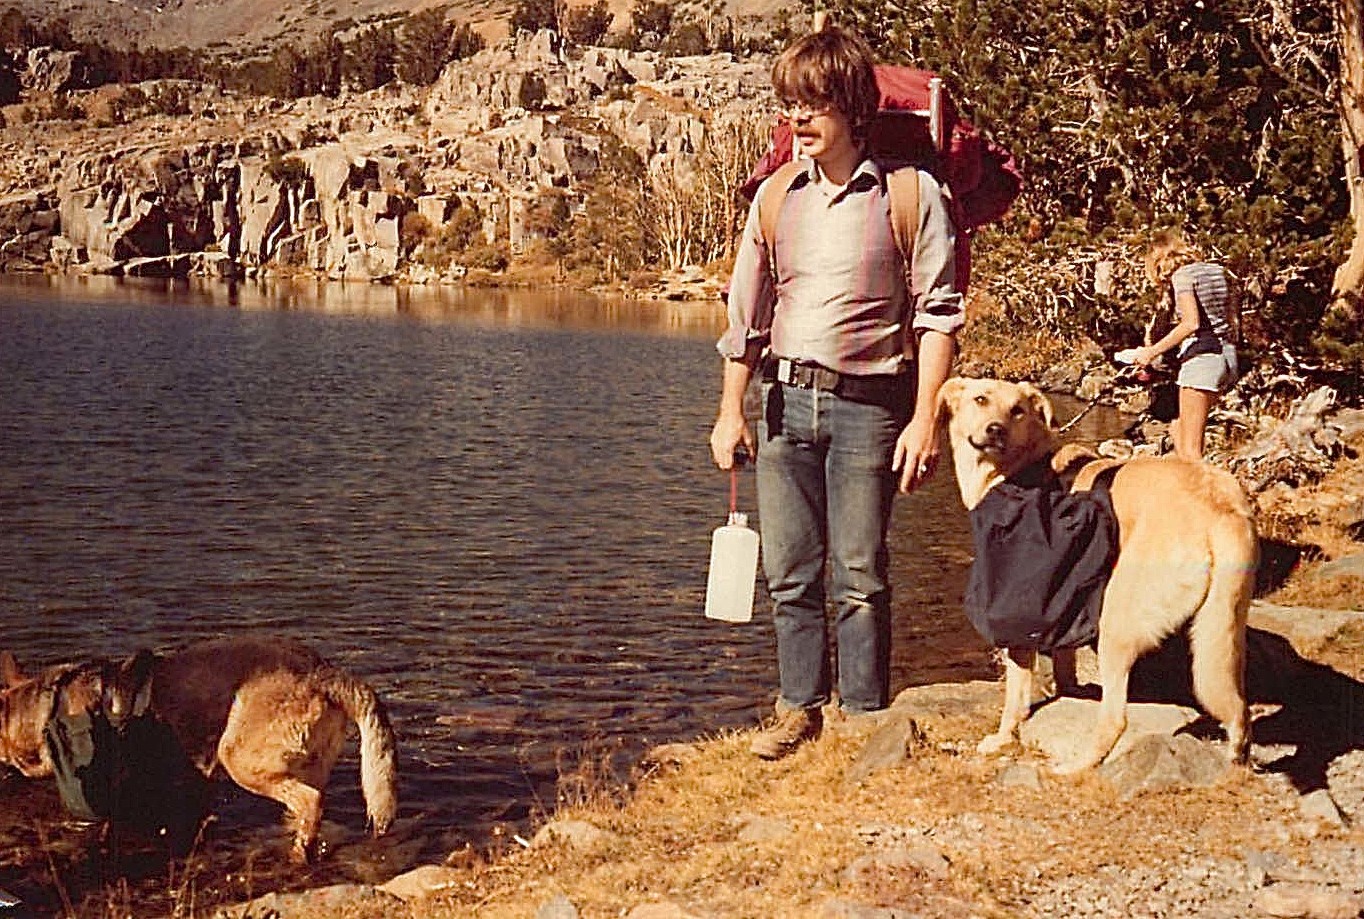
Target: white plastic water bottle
x=1126, y=356
x=733, y=567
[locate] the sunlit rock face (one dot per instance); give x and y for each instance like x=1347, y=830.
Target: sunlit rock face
x=230, y=186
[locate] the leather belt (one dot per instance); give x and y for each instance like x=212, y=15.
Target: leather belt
x=806, y=375
x=881, y=389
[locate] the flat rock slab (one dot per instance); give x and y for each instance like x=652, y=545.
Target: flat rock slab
x=424, y=881
x=1063, y=727
x=949, y=700
x=1301, y=624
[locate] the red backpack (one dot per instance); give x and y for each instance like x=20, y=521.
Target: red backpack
x=917, y=125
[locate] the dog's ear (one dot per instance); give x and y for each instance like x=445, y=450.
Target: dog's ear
x=1040, y=403
x=10, y=674
x=949, y=395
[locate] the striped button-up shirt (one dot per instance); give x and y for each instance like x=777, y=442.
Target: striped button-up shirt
x=832, y=288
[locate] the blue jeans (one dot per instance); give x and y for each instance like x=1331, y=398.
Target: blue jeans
x=825, y=487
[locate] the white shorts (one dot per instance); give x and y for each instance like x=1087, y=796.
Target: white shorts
x=1214, y=373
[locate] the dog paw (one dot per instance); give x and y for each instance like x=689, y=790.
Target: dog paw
x=995, y=743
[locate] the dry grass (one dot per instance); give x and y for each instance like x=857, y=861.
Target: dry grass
x=1324, y=592
x=1009, y=352
x=1344, y=651
x=726, y=835
x=681, y=838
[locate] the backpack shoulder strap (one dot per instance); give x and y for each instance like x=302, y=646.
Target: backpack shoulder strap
x=81, y=748
x=772, y=195
x=902, y=185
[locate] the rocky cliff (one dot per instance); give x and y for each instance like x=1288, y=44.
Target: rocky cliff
x=251, y=186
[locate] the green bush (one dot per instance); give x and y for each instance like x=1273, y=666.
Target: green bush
x=486, y=257
x=413, y=230
x=465, y=42
x=642, y=280
x=289, y=171
x=531, y=94
x=463, y=229
x=685, y=39
x=650, y=16
x=424, y=44
x=534, y=15
x=588, y=25
x=10, y=86
x=1128, y=117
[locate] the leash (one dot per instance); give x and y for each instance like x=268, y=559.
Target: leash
x=741, y=457
x=1123, y=377
x=1107, y=390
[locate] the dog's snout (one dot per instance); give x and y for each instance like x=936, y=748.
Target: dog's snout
x=995, y=429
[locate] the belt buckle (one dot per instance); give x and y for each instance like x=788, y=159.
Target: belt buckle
x=806, y=376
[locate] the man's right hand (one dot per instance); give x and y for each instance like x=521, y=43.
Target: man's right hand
x=730, y=433
x=731, y=427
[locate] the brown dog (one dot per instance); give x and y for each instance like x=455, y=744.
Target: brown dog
x=271, y=714
x=1187, y=552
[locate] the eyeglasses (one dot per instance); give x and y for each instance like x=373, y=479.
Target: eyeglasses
x=803, y=111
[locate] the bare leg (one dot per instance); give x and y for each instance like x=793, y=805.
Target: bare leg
x=1194, y=406
x=1017, y=700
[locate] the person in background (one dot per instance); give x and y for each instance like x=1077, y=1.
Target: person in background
x=1203, y=338
x=851, y=355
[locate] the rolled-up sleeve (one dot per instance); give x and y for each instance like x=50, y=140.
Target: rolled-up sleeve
x=751, y=296
x=939, y=306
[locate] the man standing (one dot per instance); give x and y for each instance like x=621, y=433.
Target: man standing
x=851, y=357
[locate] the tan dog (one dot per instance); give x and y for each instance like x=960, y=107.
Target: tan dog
x=1187, y=553
x=271, y=714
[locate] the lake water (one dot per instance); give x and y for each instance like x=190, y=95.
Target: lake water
x=495, y=507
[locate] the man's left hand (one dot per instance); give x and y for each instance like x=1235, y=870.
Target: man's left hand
x=916, y=454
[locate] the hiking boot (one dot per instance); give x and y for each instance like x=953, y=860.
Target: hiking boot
x=841, y=720
x=791, y=729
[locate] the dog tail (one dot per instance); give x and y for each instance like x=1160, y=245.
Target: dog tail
x=1218, y=630
x=378, y=746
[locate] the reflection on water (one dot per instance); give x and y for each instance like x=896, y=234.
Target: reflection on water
x=494, y=506
x=435, y=303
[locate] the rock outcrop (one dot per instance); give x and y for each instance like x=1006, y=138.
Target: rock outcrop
x=47, y=70
x=28, y=220
x=325, y=186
